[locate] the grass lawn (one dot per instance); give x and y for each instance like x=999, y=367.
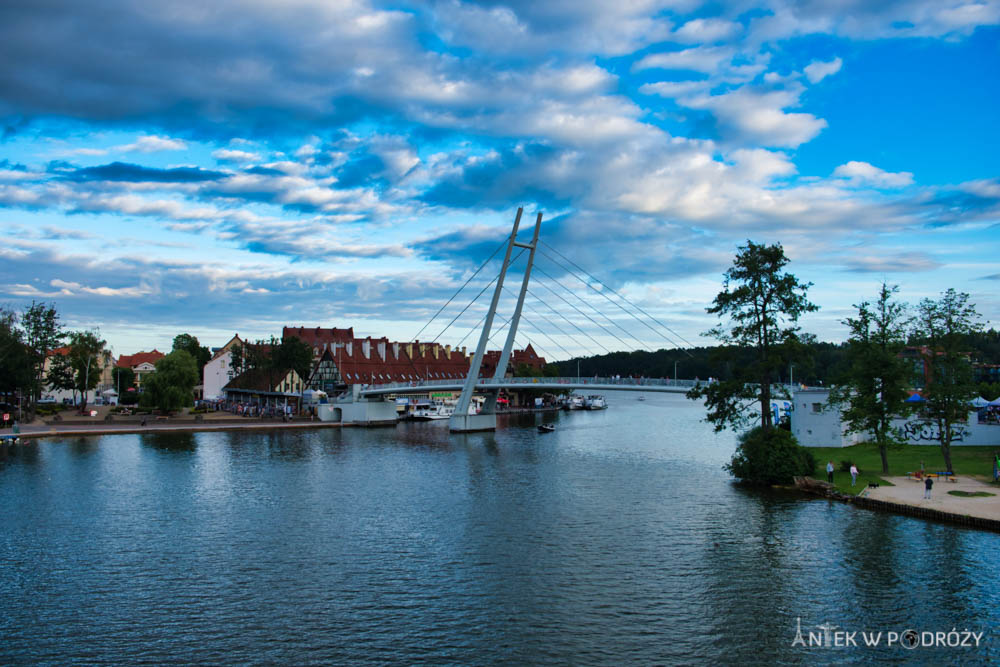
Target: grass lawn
x=970, y=461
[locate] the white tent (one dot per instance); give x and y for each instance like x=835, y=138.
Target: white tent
x=995, y=401
x=979, y=402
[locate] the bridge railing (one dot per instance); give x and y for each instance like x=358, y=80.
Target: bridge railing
x=528, y=381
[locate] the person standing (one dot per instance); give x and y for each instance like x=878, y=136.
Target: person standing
x=854, y=474
x=928, y=483
x=829, y=471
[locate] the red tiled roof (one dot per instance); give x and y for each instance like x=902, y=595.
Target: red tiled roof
x=133, y=360
x=61, y=351
x=317, y=337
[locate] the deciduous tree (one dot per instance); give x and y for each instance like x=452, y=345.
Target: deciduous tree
x=42, y=334
x=945, y=326
x=873, y=390
x=171, y=387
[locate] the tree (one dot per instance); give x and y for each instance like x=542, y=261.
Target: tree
x=770, y=456
x=292, y=353
x=60, y=375
x=86, y=352
x=190, y=344
x=15, y=360
x=171, y=387
x=762, y=303
x=945, y=326
x=122, y=377
x=874, y=388
x=42, y=334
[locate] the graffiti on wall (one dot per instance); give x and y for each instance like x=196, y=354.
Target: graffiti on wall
x=929, y=432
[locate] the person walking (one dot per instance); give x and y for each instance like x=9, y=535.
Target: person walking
x=928, y=483
x=854, y=474
x=829, y=472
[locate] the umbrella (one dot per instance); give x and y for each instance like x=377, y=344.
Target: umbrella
x=915, y=398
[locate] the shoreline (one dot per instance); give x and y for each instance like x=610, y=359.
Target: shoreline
x=985, y=515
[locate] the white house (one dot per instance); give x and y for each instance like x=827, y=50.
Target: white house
x=216, y=373
x=816, y=423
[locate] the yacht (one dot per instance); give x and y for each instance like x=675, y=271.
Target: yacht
x=574, y=402
x=595, y=402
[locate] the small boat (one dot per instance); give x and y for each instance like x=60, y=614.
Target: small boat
x=642, y=398
x=595, y=402
x=546, y=428
x=575, y=402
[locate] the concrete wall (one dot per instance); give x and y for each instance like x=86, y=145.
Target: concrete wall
x=815, y=423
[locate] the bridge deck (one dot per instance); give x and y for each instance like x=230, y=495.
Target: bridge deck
x=551, y=384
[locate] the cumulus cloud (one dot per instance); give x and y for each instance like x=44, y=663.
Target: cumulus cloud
x=231, y=155
x=817, y=70
x=748, y=115
x=862, y=173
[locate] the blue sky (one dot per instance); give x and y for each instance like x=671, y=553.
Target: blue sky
x=238, y=166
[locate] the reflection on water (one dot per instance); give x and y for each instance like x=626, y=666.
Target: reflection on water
x=615, y=539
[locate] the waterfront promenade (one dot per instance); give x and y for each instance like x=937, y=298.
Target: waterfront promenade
x=911, y=492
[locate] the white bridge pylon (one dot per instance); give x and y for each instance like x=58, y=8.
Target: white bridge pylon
x=461, y=421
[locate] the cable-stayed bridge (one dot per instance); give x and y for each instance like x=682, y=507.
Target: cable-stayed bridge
x=564, y=316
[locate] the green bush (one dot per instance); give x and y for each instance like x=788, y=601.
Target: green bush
x=770, y=456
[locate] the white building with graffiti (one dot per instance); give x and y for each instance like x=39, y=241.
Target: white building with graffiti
x=817, y=423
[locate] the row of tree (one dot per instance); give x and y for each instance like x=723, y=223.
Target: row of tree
x=759, y=308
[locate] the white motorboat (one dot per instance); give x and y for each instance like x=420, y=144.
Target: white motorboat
x=595, y=402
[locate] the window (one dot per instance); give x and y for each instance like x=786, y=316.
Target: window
x=817, y=408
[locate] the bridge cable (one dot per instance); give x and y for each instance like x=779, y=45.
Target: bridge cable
x=592, y=320
x=628, y=333
x=481, y=267
x=602, y=284
x=620, y=307
x=474, y=300
x=568, y=320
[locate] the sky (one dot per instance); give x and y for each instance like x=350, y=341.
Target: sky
x=234, y=167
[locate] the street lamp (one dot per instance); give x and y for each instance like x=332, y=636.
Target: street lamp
x=675, y=371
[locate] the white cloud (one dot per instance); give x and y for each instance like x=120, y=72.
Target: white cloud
x=707, y=59
x=818, y=70
x=758, y=117
x=230, y=155
x=706, y=30
x=152, y=144
x=863, y=173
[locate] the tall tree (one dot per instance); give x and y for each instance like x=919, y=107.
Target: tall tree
x=292, y=353
x=42, y=334
x=945, y=326
x=15, y=361
x=87, y=356
x=761, y=303
x=873, y=390
x=171, y=387
x=190, y=344
x=60, y=375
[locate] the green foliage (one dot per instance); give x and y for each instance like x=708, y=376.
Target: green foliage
x=760, y=303
x=42, y=334
x=770, y=456
x=171, y=387
x=291, y=353
x=15, y=359
x=945, y=326
x=60, y=375
x=122, y=378
x=873, y=389
x=190, y=344
x=86, y=353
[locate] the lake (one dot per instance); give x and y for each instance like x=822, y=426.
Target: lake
x=616, y=539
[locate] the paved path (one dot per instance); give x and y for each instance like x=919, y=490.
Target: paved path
x=911, y=492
